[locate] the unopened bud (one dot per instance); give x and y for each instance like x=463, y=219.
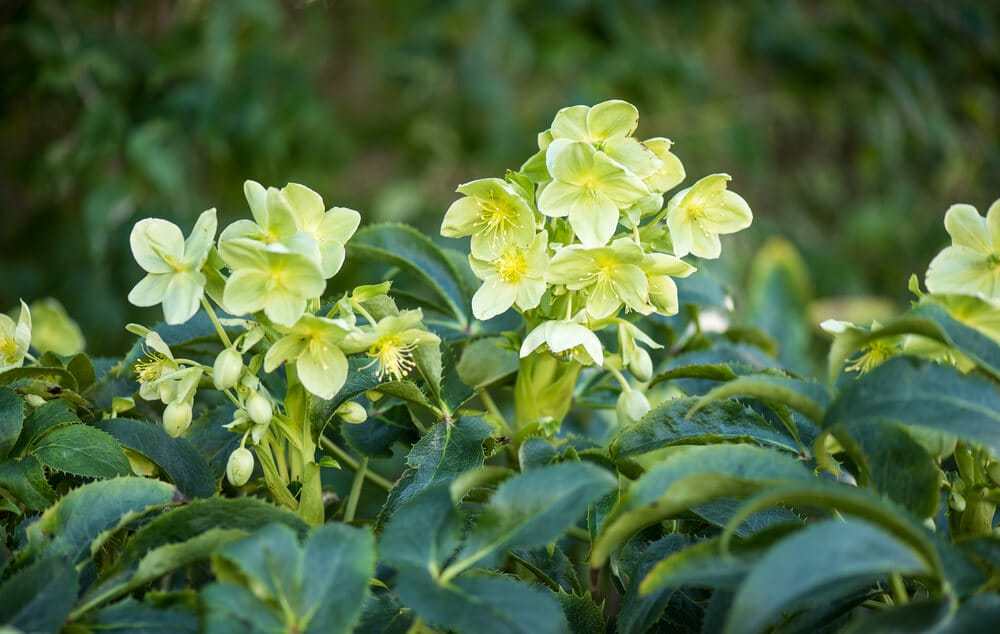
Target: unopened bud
x=373, y=395
x=259, y=409
x=239, y=468
x=956, y=501
x=640, y=365
x=352, y=413
x=34, y=400
x=227, y=369
x=176, y=418
x=632, y=405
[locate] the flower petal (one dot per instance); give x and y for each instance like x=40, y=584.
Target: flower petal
x=959, y=269
x=245, y=291
x=967, y=228
x=286, y=349
x=154, y=241
x=671, y=172
x=492, y=298
x=197, y=245
x=183, y=296
x=150, y=290
x=633, y=155
x=571, y=123
x=322, y=369
x=305, y=204
x=612, y=118
x=256, y=197
x=993, y=224
x=594, y=219
x=558, y=198
x=729, y=215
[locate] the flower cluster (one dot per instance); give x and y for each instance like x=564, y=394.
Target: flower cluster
x=581, y=231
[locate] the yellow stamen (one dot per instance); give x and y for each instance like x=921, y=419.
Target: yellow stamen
x=394, y=358
x=511, y=266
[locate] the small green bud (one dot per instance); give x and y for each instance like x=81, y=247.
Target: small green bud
x=177, y=418
x=632, y=405
x=239, y=468
x=259, y=409
x=373, y=395
x=34, y=400
x=121, y=404
x=956, y=501
x=352, y=412
x=227, y=369
x=140, y=464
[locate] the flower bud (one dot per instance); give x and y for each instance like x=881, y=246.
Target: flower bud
x=167, y=391
x=259, y=409
x=140, y=464
x=632, y=405
x=373, y=395
x=34, y=400
x=956, y=501
x=176, y=418
x=239, y=468
x=640, y=365
x=353, y=413
x=227, y=369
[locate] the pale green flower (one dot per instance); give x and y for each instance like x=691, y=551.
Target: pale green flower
x=515, y=276
x=330, y=228
x=492, y=213
x=54, y=330
x=270, y=278
x=274, y=223
x=173, y=265
x=312, y=343
x=608, y=127
x=390, y=343
x=635, y=358
x=612, y=276
x=590, y=188
x=14, y=339
x=671, y=172
x=565, y=336
x=660, y=268
x=971, y=265
x=161, y=376
x=696, y=216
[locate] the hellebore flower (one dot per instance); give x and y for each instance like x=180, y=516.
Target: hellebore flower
x=659, y=269
x=697, y=215
x=173, y=265
x=274, y=223
x=612, y=275
x=590, y=188
x=270, y=278
x=312, y=344
x=390, y=343
x=14, y=339
x=160, y=375
x=671, y=172
x=608, y=127
x=515, y=276
x=562, y=336
x=492, y=213
x=971, y=265
x=330, y=228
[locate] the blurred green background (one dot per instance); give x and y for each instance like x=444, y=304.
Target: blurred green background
x=848, y=126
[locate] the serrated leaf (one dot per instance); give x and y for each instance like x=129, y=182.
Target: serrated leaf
x=908, y=391
x=57, y=376
x=82, y=450
x=830, y=553
x=424, y=532
x=552, y=566
x=42, y=419
x=690, y=477
x=582, y=615
x=384, y=613
x=702, y=564
x=722, y=421
x=82, y=519
x=407, y=248
x=181, y=462
x=136, y=617
x=11, y=420
x=39, y=597
x=376, y=436
x=532, y=509
x=82, y=369
x=25, y=479
x=454, y=391
x=709, y=371
x=640, y=613
x=805, y=396
x=406, y=390
x=443, y=453
x=486, y=361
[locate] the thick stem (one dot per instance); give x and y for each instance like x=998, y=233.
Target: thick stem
x=543, y=392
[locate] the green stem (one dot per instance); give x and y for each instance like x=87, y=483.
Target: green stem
x=491, y=406
x=353, y=464
x=352, y=501
x=898, y=588
x=219, y=330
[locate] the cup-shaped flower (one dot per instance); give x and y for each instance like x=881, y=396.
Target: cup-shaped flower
x=390, y=343
x=312, y=344
x=15, y=338
x=565, y=336
x=271, y=278
x=659, y=269
x=172, y=265
x=671, y=172
x=971, y=265
x=696, y=216
x=608, y=126
x=493, y=213
x=273, y=222
x=331, y=229
x=590, y=188
x=612, y=275
x=515, y=276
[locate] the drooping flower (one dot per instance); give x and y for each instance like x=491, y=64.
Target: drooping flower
x=696, y=216
x=330, y=228
x=515, y=276
x=608, y=127
x=635, y=358
x=14, y=339
x=971, y=265
x=161, y=376
x=612, y=276
x=589, y=188
x=274, y=223
x=173, y=265
x=492, y=213
x=565, y=336
x=270, y=278
x=390, y=343
x=671, y=172
x=660, y=268
x=312, y=343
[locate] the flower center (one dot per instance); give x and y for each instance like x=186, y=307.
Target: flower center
x=394, y=358
x=511, y=266
x=497, y=216
x=8, y=346
x=872, y=356
x=154, y=367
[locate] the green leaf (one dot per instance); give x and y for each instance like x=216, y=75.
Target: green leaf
x=640, y=613
x=719, y=422
x=693, y=476
x=532, y=509
x=25, y=479
x=406, y=390
x=551, y=566
x=182, y=463
x=49, y=416
x=57, y=376
x=914, y=618
x=320, y=586
x=454, y=391
x=486, y=361
x=582, y=615
x=82, y=369
x=710, y=371
x=411, y=250
x=136, y=617
x=443, y=453
x=702, y=564
x=39, y=597
x=79, y=523
x=805, y=396
x=908, y=391
x=843, y=555
x=384, y=613
x=424, y=532
x=892, y=462
x=234, y=609
x=11, y=420
x=82, y=450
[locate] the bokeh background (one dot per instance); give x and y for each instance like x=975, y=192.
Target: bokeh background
x=849, y=126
